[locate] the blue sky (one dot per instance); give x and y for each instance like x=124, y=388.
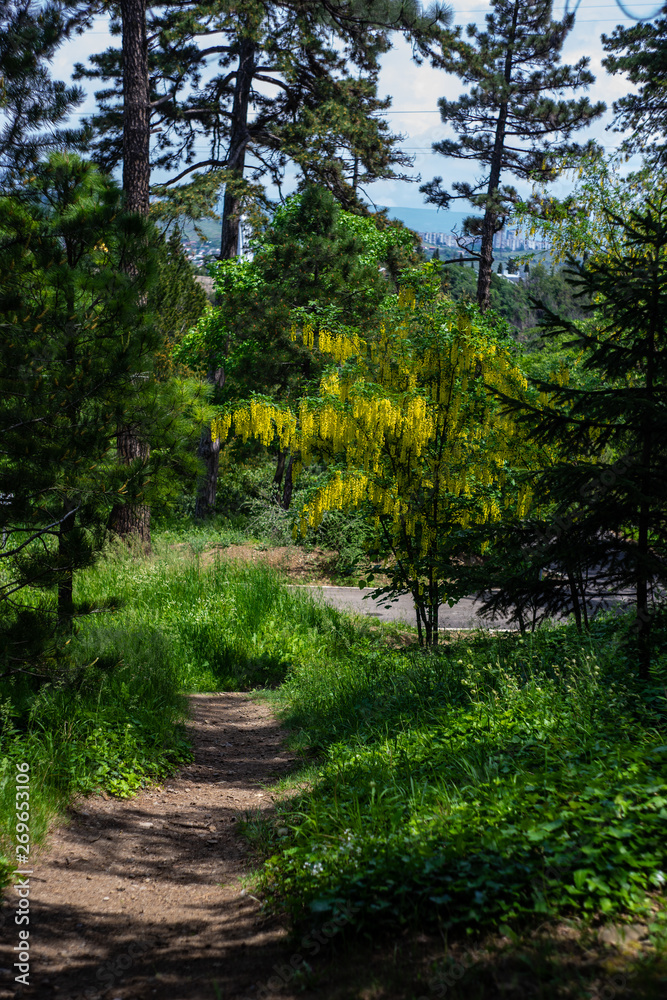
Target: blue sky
x=415, y=89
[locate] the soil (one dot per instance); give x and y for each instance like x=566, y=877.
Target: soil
x=143, y=898
x=316, y=567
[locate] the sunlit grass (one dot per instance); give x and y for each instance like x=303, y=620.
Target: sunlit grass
x=500, y=778
x=111, y=714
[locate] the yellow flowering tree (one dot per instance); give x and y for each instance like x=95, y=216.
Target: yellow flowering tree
x=413, y=436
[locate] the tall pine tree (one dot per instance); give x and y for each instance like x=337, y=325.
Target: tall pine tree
x=513, y=119
x=33, y=107
x=77, y=346
x=295, y=81
x=609, y=489
x=134, y=520
x=640, y=52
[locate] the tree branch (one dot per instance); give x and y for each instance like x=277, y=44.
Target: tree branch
x=195, y=166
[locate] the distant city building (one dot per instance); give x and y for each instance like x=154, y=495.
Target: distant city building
x=506, y=239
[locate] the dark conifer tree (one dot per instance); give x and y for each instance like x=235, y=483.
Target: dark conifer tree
x=296, y=82
x=308, y=265
x=640, y=52
x=609, y=493
x=34, y=107
x=134, y=520
x=513, y=120
x=78, y=344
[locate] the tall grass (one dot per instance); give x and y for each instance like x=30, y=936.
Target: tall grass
x=111, y=714
x=497, y=779
x=230, y=626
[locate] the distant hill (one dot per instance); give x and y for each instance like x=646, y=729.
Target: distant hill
x=423, y=220
x=428, y=220
x=209, y=227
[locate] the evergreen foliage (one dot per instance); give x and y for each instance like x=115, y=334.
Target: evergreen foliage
x=605, y=497
x=640, y=53
x=513, y=120
x=322, y=113
x=76, y=355
x=33, y=105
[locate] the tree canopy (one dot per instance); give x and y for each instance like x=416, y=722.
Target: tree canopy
x=34, y=107
x=513, y=120
x=640, y=53
x=283, y=82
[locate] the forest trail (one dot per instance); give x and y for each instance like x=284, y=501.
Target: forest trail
x=141, y=898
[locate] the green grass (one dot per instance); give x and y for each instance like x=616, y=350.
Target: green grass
x=495, y=780
x=110, y=716
x=499, y=779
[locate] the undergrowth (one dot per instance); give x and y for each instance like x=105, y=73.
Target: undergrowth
x=494, y=780
x=498, y=779
x=108, y=714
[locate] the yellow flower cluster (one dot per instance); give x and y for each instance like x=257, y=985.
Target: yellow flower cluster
x=340, y=346
x=421, y=439
x=220, y=427
x=349, y=490
x=261, y=420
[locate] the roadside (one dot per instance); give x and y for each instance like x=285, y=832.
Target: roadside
x=315, y=569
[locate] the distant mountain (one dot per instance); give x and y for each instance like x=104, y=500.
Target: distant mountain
x=423, y=220
x=428, y=220
x=209, y=227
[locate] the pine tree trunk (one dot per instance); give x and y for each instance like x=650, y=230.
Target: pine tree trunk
x=643, y=620
x=136, y=107
x=131, y=520
x=238, y=140
x=66, y=577
x=491, y=212
x=134, y=520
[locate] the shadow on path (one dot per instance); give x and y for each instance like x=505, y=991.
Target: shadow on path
x=142, y=898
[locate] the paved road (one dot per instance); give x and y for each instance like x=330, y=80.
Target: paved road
x=462, y=615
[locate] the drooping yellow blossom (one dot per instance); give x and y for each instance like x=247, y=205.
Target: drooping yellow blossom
x=408, y=422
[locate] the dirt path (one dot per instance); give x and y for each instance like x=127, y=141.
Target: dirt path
x=141, y=898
